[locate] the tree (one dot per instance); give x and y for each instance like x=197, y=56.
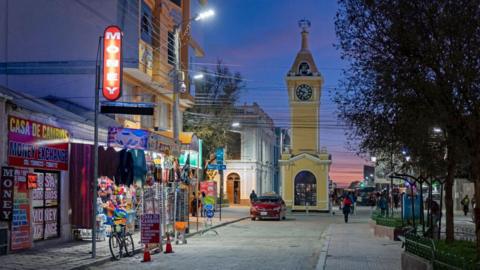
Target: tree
x=211, y=116
x=414, y=65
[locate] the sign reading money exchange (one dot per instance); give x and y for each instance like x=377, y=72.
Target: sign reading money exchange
x=37, y=145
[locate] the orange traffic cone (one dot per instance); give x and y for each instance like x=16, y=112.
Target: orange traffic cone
x=146, y=255
x=168, y=247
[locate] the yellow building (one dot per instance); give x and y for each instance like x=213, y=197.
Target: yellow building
x=149, y=80
x=304, y=167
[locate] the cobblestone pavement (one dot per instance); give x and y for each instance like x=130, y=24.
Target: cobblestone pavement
x=294, y=243
x=353, y=246
x=77, y=254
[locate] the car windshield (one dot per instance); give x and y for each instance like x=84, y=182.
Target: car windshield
x=268, y=199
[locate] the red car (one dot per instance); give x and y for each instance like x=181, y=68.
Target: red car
x=268, y=206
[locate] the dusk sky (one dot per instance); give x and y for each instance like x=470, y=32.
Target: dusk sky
x=260, y=39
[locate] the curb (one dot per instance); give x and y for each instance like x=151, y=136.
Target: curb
x=322, y=259
x=216, y=226
x=138, y=250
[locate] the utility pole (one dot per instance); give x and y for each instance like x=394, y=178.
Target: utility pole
x=95, y=149
x=176, y=86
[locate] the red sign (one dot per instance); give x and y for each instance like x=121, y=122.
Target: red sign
x=36, y=145
x=112, y=63
x=150, y=228
x=6, y=199
x=209, y=188
x=32, y=181
x=20, y=230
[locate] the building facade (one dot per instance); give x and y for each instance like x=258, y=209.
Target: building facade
x=53, y=54
x=250, y=155
x=54, y=51
x=305, y=166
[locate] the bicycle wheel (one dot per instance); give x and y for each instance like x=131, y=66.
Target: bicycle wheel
x=129, y=245
x=115, y=246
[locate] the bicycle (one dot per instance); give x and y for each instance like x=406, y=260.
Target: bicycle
x=120, y=240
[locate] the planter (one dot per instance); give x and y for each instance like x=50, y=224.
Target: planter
x=390, y=233
x=413, y=262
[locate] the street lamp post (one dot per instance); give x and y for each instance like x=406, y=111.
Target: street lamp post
x=177, y=78
x=179, y=85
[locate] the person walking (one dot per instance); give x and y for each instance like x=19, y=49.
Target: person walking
x=396, y=199
x=465, y=202
x=347, y=204
x=353, y=199
x=382, y=204
x=202, y=208
x=435, y=212
x=194, y=205
x=253, y=196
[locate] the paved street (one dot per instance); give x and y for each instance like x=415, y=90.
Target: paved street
x=77, y=254
x=313, y=241
x=295, y=243
x=291, y=244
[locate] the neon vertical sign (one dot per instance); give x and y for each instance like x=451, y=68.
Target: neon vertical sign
x=112, y=63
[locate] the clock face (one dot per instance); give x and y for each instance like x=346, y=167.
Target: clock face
x=304, y=92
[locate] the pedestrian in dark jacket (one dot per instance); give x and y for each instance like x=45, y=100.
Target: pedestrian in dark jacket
x=253, y=196
x=347, y=203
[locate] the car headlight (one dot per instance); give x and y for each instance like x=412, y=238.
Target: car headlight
x=276, y=209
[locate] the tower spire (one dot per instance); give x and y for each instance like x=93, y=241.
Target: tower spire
x=304, y=24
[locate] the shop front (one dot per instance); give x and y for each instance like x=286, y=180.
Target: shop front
x=37, y=158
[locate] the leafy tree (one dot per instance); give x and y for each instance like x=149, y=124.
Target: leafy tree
x=414, y=65
x=211, y=116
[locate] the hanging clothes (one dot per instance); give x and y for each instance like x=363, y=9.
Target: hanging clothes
x=165, y=175
x=139, y=165
x=108, y=161
x=124, y=173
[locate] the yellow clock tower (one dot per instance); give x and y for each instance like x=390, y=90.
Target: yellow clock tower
x=304, y=166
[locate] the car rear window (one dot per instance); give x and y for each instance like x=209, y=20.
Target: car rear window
x=268, y=199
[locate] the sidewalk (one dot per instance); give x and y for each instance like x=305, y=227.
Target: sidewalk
x=77, y=254
x=353, y=246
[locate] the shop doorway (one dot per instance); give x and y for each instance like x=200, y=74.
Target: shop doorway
x=233, y=188
x=305, y=189
x=46, y=206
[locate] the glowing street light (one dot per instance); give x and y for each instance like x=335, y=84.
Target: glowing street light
x=198, y=76
x=236, y=124
x=204, y=15
x=373, y=159
x=437, y=130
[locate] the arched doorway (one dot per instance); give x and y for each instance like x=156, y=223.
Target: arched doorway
x=233, y=188
x=305, y=189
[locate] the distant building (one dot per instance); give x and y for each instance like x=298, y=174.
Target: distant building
x=251, y=155
x=369, y=175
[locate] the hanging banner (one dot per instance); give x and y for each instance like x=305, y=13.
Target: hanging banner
x=112, y=63
x=157, y=143
x=6, y=193
x=150, y=229
x=36, y=145
x=20, y=233
x=128, y=138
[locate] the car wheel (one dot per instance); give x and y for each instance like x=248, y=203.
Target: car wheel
x=253, y=218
